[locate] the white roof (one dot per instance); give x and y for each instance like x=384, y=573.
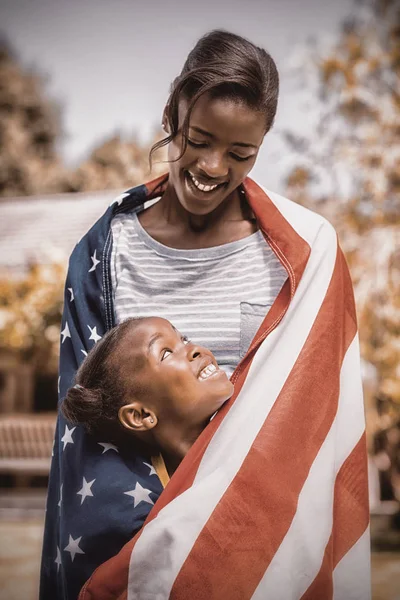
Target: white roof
x=44, y=228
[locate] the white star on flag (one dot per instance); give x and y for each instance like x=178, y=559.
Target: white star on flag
x=139, y=494
x=85, y=491
x=73, y=547
x=60, y=500
x=152, y=469
x=58, y=559
x=65, y=332
x=95, y=262
x=67, y=437
x=58, y=384
x=84, y=352
x=107, y=446
x=94, y=335
x=119, y=199
x=71, y=291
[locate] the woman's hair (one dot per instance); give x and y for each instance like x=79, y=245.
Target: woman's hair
x=100, y=388
x=227, y=66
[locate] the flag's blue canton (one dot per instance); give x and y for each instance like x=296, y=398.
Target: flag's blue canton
x=90, y=515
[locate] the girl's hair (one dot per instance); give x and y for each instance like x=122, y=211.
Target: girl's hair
x=227, y=66
x=100, y=388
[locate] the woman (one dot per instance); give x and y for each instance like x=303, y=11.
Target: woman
x=261, y=503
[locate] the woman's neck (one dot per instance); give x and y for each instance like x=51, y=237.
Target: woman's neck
x=174, y=213
x=172, y=225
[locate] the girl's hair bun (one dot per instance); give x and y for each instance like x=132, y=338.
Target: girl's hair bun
x=83, y=406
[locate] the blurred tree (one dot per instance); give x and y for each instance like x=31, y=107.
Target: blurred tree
x=30, y=133
x=347, y=167
x=352, y=152
x=29, y=129
x=116, y=163
x=30, y=314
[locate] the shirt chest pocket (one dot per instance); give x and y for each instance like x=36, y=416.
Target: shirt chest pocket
x=251, y=317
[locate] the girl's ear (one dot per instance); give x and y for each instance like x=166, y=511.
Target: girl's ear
x=136, y=417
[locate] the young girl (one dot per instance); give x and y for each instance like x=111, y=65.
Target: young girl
x=146, y=386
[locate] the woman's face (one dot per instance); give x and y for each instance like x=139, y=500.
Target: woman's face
x=224, y=138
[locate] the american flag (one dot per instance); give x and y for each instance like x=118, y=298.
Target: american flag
x=271, y=501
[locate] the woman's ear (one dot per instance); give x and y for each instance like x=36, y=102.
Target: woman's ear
x=136, y=417
x=164, y=122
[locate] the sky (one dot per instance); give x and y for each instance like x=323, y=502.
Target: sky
x=110, y=63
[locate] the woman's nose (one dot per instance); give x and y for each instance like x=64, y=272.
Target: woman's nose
x=213, y=165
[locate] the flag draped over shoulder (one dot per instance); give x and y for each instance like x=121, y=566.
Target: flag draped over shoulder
x=272, y=500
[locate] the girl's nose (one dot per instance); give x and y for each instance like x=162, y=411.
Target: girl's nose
x=193, y=351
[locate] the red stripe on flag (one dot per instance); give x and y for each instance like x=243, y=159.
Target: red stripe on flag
x=156, y=187
x=288, y=245
x=247, y=527
x=350, y=519
x=109, y=580
x=351, y=509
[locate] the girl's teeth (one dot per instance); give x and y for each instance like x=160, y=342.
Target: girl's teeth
x=202, y=187
x=207, y=371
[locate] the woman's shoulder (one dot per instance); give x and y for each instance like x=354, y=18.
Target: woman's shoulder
x=305, y=221
x=121, y=210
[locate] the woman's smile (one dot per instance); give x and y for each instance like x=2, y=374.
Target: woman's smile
x=201, y=191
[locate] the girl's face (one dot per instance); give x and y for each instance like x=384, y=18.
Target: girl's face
x=223, y=142
x=180, y=380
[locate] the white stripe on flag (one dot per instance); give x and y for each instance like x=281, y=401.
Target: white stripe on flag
x=350, y=420
x=306, y=226
x=352, y=576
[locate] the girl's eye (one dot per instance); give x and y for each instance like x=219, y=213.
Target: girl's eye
x=203, y=145
x=165, y=353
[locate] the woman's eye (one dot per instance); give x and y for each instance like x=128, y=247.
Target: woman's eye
x=165, y=353
x=241, y=158
x=204, y=145
x=196, y=144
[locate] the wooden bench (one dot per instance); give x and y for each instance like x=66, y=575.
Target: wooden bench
x=26, y=443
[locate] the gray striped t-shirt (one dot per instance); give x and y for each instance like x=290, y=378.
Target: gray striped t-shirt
x=216, y=296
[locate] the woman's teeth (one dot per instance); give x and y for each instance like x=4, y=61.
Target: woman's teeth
x=207, y=371
x=201, y=186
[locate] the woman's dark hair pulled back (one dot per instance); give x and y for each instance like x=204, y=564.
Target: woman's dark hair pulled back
x=228, y=66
